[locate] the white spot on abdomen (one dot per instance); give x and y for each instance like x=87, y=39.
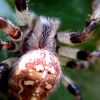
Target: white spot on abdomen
x=28, y=82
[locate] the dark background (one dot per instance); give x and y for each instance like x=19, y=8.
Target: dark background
x=73, y=14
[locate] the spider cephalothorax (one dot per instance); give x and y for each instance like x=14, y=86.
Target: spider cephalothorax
x=36, y=73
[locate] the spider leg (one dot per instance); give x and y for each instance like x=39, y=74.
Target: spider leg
x=96, y=11
x=24, y=17
x=73, y=64
x=72, y=87
x=5, y=67
x=4, y=70
x=78, y=37
x=79, y=54
x=78, y=65
x=10, y=29
x=9, y=45
x=7, y=64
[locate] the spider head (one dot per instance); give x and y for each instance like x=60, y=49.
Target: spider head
x=35, y=76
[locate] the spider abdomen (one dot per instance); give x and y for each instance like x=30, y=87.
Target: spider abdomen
x=35, y=76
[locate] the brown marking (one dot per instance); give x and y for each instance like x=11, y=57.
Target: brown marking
x=78, y=37
x=16, y=83
x=15, y=34
x=29, y=91
x=10, y=45
x=9, y=28
x=12, y=31
x=7, y=45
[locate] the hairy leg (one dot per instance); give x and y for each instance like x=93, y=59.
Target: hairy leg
x=24, y=17
x=79, y=54
x=9, y=45
x=5, y=67
x=78, y=37
x=72, y=87
x=10, y=29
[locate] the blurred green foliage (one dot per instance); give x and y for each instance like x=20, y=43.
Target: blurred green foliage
x=72, y=13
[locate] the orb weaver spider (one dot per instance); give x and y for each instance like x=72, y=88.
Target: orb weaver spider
x=36, y=72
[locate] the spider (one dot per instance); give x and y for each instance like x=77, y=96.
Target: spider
x=36, y=72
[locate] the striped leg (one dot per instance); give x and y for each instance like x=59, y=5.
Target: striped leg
x=72, y=87
x=9, y=45
x=24, y=17
x=10, y=29
x=78, y=37
x=74, y=64
x=87, y=58
x=79, y=54
x=77, y=64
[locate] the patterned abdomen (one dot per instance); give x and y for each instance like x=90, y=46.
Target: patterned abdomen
x=35, y=75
